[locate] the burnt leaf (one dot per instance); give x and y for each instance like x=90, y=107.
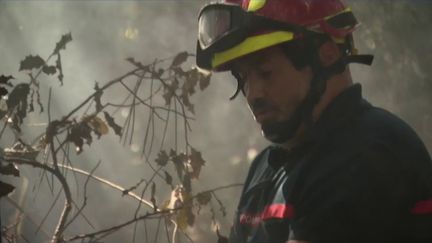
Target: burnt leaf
x=185, y=216
x=196, y=162
x=31, y=62
x=187, y=185
x=52, y=129
x=117, y=129
x=17, y=100
x=38, y=100
x=5, y=189
x=158, y=74
x=98, y=126
x=61, y=45
x=162, y=158
x=49, y=70
x=97, y=97
x=3, y=92
x=179, y=59
x=187, y=103
x=169, y=91
x=221, y=238
x=126, y=191
x=138, y=64
x=2, y=113
x=180, y=72
x=5, y=80
x=18, y=95
x=190, y=216
x=9, y=169
x=31, y=106
x=204, y=81
x=153, y=199
x=59, y=68
x=189, y=85
x=203, y=198
x=179, y=162
x=182, y=219
x=168, y=178
x=79, y=133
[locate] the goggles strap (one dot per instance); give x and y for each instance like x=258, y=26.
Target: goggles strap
x=320, y=77
x=239, y=85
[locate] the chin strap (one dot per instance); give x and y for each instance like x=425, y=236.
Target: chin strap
x=280, y=132
x=321, y=75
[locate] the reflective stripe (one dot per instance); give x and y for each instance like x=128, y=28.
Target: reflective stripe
x=272, y=211
x=422, y=207
x=254, y=5
x=279, y=211
x=348, y=9
x=251, y=44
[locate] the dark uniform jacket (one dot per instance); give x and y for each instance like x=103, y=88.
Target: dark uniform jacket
x=361, y=175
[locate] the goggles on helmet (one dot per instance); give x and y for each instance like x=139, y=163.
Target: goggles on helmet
x=223, y=26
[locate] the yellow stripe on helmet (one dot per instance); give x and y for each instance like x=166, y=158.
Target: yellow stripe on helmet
x=347, y=9
x=251, y=44
x=254, y=5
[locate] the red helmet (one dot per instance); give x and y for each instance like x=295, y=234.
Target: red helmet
x=239, y=27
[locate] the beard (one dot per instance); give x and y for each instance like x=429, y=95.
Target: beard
x=282, y=131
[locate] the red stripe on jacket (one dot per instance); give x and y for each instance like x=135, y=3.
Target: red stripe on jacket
x=278, y=210
x=422, y=207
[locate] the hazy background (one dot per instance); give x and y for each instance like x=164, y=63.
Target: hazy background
x=104, y=33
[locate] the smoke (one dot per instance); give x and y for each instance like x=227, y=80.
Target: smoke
x=106, y=32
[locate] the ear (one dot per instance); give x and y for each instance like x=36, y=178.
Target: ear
x=329, y=53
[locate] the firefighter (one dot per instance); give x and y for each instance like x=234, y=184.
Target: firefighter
x=339, y=169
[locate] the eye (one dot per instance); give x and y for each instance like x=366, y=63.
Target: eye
x=264, y=74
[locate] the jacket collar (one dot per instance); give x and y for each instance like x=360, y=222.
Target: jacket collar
x=339, y=112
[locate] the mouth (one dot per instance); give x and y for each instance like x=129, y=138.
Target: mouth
x=263, y=115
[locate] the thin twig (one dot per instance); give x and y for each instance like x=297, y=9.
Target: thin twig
x=49, y=211
x=85, y=194
x=25, y=214
x=119, y=226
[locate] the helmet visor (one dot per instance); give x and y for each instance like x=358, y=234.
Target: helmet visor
x=213, y=24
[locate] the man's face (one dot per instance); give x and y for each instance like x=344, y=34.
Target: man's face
x=273, y=87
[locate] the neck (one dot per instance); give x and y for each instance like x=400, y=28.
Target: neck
x=335, y=86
